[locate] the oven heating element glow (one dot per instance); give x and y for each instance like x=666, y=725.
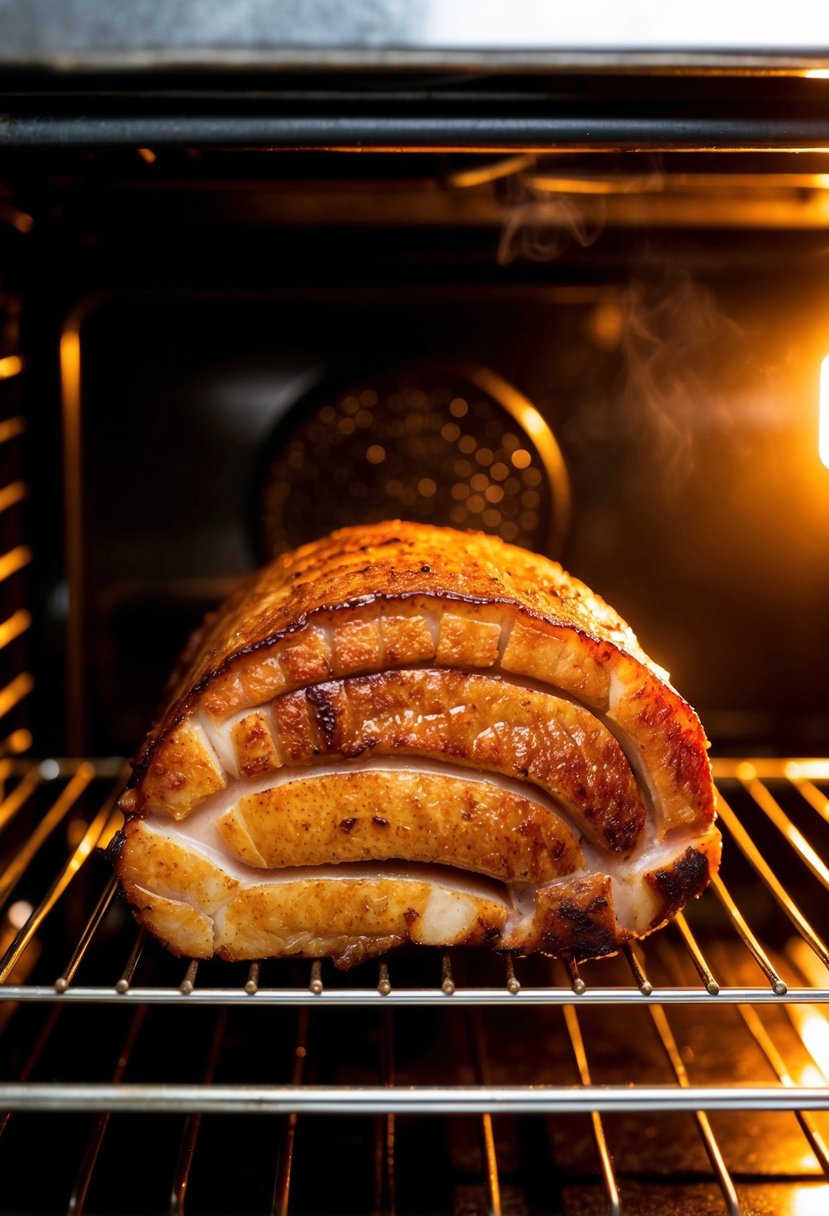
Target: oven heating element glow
x=823, y=422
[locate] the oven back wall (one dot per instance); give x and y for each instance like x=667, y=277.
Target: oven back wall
x=684, y=408
x=677, y=367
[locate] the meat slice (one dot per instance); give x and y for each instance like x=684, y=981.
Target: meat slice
x=405, y=733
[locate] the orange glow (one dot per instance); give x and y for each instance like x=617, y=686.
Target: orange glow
x=823, y=424
x=814, y=1031
x=811, y=1199
x=817, y=73
x=13, y=561
x=19, y=741
x=12, y=365
x=17, y=623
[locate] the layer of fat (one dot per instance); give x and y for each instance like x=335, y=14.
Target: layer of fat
x=201, y=824
x=460, y=881
x=635, y=902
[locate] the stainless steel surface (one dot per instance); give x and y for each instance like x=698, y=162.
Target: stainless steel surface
x=461, y=33
x=421, y=1100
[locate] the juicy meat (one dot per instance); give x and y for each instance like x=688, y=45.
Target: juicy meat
x=405, y=733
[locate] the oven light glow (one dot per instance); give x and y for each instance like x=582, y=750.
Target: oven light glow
x=813, y=1029
x=811, y=1199
x=10, y=366
x=823, y=424
x=19, y=913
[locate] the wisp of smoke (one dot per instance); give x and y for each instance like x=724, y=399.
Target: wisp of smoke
x=676, y=343
x=541, y=229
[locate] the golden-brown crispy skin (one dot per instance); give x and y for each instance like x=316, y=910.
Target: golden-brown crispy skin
x=368, y=598
x=402, y=640
x=374, y=814
x=487, y=723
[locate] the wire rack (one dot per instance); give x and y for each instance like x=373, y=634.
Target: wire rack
x=746, y=965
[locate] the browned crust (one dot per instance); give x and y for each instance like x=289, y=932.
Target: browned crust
x=579, y=920
x=372, y=815
x=299, y=659
x=482, y=721
x=677, y=884
x=396, y=562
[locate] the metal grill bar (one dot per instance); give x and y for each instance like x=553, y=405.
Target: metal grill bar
x=493, y=1184
x=576, y=982
x=778, y=984
x=571, y=1021
x=447, y=984
x=80, y=1190
x=10, y=428
x=712, y=987
x=473, y=995
x=766, y=1044
x=11, y=875
x=123, y=984
x=487, y=1137
x=188, y=984
x=192, y=1127
x=10, y=365
x=14, y=692
x=771, y=880
x=775, y=769
x=712, y=1148
x=757, y=1029
x=19, y=795
x=375, y=1099
x=804, y=1017
x=84, y=847
x=285, y=1159
x=14, y=560
x=641, y=980
x=810, y=792
x=384, y=1188
x=33, y=1057
x=67, y=975
x=768, y=803
x=12, y=494
x=16, y=743
x=16, y=625
x=582, y=132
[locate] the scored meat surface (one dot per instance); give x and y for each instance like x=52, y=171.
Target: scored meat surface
x=406, y=733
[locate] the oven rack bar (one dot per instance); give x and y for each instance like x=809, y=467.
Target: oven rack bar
x=685, y=129
x=473, y=996
x=74, y=790
x=422, y=1100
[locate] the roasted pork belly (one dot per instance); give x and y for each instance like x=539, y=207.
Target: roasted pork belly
x=405, y=733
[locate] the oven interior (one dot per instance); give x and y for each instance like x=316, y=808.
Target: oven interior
x=211, y=353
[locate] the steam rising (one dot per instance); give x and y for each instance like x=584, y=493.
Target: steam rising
x=677, y=345
x=679, y=350
x=549, y=209
x=540, y=229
